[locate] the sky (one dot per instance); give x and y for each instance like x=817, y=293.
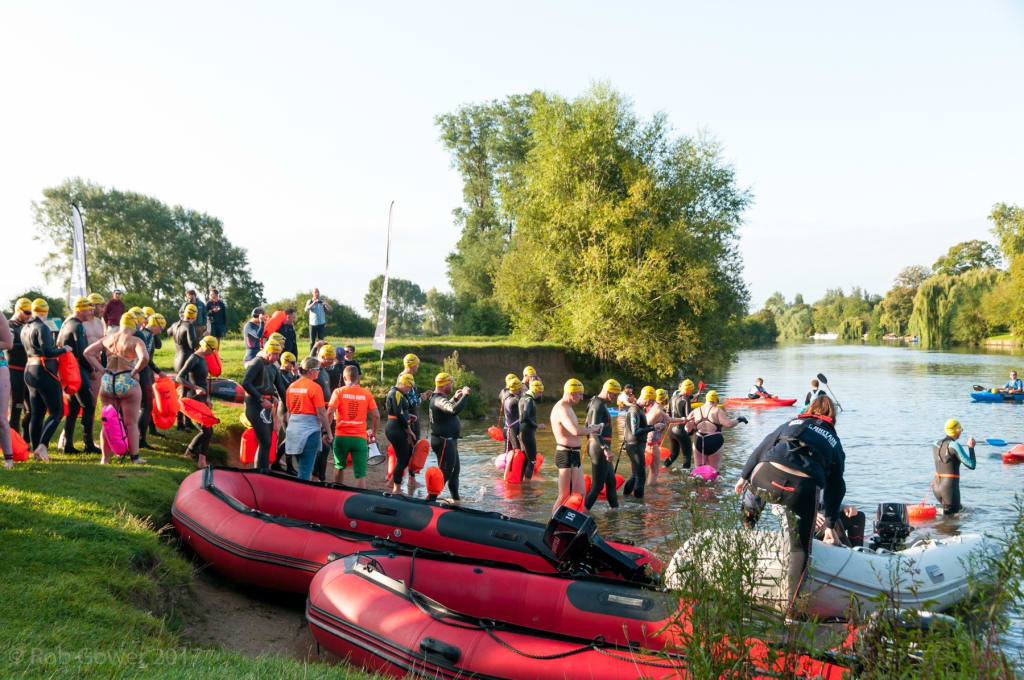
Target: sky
x=872, y=135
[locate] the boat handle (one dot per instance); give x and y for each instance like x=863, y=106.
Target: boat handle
x=504, y=535
x=384, y=510
x=435, y=648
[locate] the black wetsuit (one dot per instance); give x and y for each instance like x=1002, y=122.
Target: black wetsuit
x=414, y=407
x=445, y=429
x=16, y=360
x=72, y=334
x=147, y=376
x=678, y=437
x=635, y=442
x=260, y=382
x=196, y=372
x=510, y=412
x=947, y=473
x=43, y=385
x=185, y=343
x=602, y=476
x=398, y=409
x=810, y=445
x=291, y=343
x=527, y=409
x=217, y=314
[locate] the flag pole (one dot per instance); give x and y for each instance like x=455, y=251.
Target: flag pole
x=78, y=284
x=380, y=335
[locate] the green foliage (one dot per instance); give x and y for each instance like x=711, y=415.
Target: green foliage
x=476, y=406
x=342, y=320
x=759, y=329
x=405, y=304
x=138, y=243
x=797, y=323
x=439, y=313
x=776, y=304
x=946, y=308
x=482, y=317
x=852, y=328
x=898, y=303
x=1008, y=227
x=58, y=306
x=967, y=255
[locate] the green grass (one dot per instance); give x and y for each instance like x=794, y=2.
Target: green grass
x=1004, y=337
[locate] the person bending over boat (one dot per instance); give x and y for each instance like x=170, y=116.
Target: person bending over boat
x=260, y=383
x=788, y=467
x=949, y=454
x=706, y=422
x=635, y=441
x=528, y=424
x=308, y=427
x=566, y=428
x=759, y=392
x=352, y=403
x=1014, y=385
x=119, y=386
x=401, y=414
x=599, y=446
x=510, y=411
x=445, y=429
x=678, y=438
x=193, y=376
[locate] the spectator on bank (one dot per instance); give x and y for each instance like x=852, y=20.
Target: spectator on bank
x=291, y=342
x=200, y=321
x=252, y=333
x=317, y=308
x=113, y=311
x=216, y=314
x=349, y=360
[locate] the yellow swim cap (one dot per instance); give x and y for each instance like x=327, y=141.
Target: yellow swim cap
x=23, y=305
x=648, y=393
x=273, y=347
x=191, y=311
x=688, y=385
x=148, y=311
x=276, y=336
x=406, y=380
x=326, y=352
x=442, y=379
x=127, y=320
x=157, y=320
x=661, y=396
x=509, y=376
x=40, y=305
x=573, y=386
x=712, y=397
x=410, y=360
x=953, y=427
x=529, y=370
x=210, y=343
x=82, y=304
x=536, y=385
x=612, y=386
x=96, y=298
x=512, y=382
x=135, y=310
x=288, y=358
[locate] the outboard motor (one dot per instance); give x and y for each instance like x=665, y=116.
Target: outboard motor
x=572, y=538
x=892, y=526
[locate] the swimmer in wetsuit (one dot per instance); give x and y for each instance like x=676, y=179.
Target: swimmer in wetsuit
x=634, y=441
x=949, y=454
x=150, y=336
x=678, y=438
x=73, y=334
x=599, y=446
x=261, y=383
x=16, y=361
x=568, y=431
x=398, y=429
x=411, y=362
x=193, y=376
x=41, y=381
x=445, y=429
x=528, y=425
x=510, y=411
x=183, y=333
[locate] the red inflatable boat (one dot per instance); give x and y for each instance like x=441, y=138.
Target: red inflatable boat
x=276, y=531
x=402, y=614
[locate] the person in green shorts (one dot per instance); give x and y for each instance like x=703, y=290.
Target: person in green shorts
x=349, y=406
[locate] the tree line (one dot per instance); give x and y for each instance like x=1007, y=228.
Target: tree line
x=973, y=291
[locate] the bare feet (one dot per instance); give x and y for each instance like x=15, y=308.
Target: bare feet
x=138, y=461
x=8, y=463
x=40, y=453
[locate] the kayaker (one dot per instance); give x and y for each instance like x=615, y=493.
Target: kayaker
x=445, y=429
x=599, y=446
x=815, y=392
x=759, y=392
x=678, y=438
x=1014, y=385
x=788, y=467
x=567, y=430
x=706, y=422
x=635, y=440
x=949, y=454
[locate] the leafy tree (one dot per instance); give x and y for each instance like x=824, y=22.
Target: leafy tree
x=797, y=323
x=138, y=243
x=967, y=255
x=912, y=276
x=852, y=328
x=798, y=299
x=1008, y=227
x=758, y=329
x=483, y=317
x=405, y=305
x=439, y=312
x=947, y=308
x=776, y=304
x=342, y=320
x=898, y=303
x=58, y=307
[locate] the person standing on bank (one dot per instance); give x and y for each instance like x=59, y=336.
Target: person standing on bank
x=350, y=360
x=528, y=425
x=566, y=428
x=73, y=334
x=217, y=314
x=411, y=362
x=261, y=384
x=252, y=334
x=445, y=429
x=599, y=446
x=351, y=404
x=44, y=392
x=949, y=454
x=199, y=323
x=113, y=311
x=317, y=308
x=183, y=332
x=308, y=426
x=398, y=429
x=291, y=343
x=150, y=336
x=16, y=360
x=193, y=376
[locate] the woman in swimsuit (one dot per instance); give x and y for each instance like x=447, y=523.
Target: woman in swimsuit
x=707, y=422
x=119, y=386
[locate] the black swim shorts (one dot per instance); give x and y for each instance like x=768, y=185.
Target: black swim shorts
x=567, y=458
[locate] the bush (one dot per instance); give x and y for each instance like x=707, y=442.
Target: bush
x=476, y=407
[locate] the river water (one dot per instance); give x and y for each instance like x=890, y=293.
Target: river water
x=895, y=402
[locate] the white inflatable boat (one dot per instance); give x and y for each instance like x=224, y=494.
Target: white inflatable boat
x=929, y=574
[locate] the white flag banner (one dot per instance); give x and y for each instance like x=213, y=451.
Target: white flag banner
x=79, y=279
x=380, y=336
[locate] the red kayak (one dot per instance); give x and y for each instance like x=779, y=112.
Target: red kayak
x=439, y=618
x=764, y=401
x=276, y=531
x=1014, y=455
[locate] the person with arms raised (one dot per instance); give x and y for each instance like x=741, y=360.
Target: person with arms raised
x=445, y=429
x=317, y=308
x=706, y=423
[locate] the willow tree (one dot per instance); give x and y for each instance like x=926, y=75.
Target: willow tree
x=625, y=241
x=948, y=309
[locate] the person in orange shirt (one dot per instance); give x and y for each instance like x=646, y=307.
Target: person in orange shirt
x=349, y=405
x=308, y=425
